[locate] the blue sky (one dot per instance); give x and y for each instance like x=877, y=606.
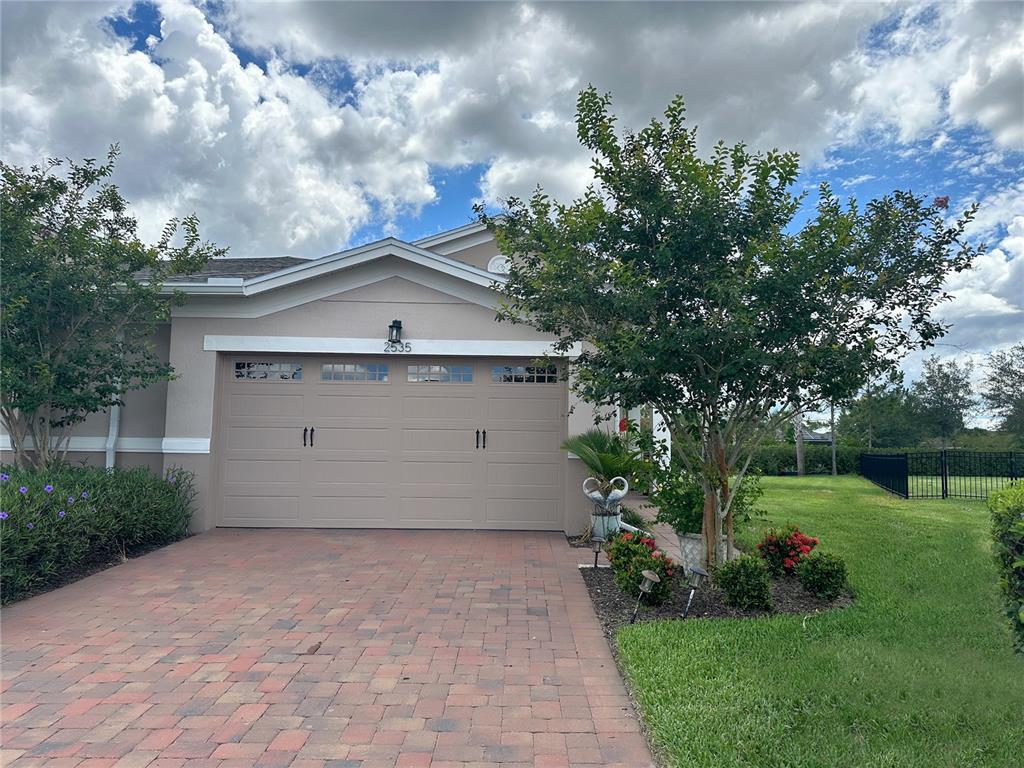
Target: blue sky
x=306, y=127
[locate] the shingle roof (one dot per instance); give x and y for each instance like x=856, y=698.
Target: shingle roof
x=239, y=267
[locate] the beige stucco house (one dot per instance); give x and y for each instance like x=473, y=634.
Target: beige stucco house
x=293, y=408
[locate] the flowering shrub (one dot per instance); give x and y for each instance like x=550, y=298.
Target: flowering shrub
x=783, y=550
x=745, y=583
x=58, y=521
x=631, y=555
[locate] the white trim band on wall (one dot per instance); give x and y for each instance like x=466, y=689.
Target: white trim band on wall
x=98, y=444
x=342, y=346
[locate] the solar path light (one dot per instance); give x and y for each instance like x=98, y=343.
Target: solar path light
x=596, y=543
x=697, y=576
x=650, y=579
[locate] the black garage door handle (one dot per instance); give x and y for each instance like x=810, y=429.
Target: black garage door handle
x=311, y=431
x=485, y=439
x=478, y=439
x=305, y=431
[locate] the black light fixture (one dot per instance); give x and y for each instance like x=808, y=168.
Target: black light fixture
x=395, y=331
x=596, y=543
x=697, y=576
x=650, y=579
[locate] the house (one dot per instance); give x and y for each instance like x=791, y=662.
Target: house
x=367, y=388
x=816, y=438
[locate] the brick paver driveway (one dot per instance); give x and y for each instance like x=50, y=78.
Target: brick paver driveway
x=319, y=649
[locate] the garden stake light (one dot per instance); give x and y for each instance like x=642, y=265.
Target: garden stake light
x=697, y=576
x=596, y=543
x=650, y=579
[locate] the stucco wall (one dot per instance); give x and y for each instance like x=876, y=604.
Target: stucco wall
x=142, y=415
x=477, y=255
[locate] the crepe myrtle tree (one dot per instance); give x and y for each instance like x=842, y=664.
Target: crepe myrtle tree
x=75, y=322
x=692, y=288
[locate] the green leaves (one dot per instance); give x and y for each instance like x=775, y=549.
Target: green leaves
x=77, y=322
x=692, y=289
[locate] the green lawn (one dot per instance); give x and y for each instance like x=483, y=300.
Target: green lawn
x=920, y=671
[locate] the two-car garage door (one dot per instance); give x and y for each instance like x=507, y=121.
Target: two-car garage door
x=395, y=442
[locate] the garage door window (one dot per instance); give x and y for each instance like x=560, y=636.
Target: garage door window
x=444, y=374
x=354, y=372
x=265, y=370
x=524, y=374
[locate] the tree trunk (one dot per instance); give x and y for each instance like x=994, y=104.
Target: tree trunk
x=710, y=525
x=723, y=498
x=798, y=433
x=832, y=427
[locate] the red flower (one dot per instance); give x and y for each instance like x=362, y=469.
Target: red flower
x=788, y=564
x=627, y=537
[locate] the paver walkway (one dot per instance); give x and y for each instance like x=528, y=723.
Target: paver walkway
x=320, y=649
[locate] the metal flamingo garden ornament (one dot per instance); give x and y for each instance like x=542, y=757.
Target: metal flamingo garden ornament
x=605, y=518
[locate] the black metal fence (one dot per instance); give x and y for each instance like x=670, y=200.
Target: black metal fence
x=943, y=474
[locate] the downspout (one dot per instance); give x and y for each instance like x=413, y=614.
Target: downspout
x=113, y=426
x=112, y=430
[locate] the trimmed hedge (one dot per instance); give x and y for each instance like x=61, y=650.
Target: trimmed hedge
x=745, y=583
x=58, y=523
x=781, y=459
x=1007, y=508
x=822, y=574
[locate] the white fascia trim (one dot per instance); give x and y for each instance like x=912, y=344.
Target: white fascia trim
x=370, y=252
x=352, y=346
x=345, y=260
x=98, y=444
x=185, y=445
x=450, y=234
x=346, y=280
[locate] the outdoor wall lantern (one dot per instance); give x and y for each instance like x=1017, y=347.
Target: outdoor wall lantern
x=697, y=576
x=395, y=331
x=650, y=579
x=596, y=543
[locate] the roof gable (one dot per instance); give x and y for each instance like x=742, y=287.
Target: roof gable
x=288, y=275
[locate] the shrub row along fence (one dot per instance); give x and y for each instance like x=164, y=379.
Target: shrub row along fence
x=943, y=474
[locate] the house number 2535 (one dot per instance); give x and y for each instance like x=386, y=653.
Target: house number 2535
x=397, y=346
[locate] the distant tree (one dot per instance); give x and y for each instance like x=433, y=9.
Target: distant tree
x=75, y=323
x=1003, y=390
x=882, y=415
x=945, y=397
x=689, y=288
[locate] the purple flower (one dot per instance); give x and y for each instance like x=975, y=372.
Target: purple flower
x=4, y=477
x=71, y=499
x=48, y=488
x=85, y=494
x=61, y=513
x=30, y=526
x=170, y=478
x=23, y=489
x=4, y=515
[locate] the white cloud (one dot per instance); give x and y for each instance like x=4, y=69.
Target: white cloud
x=276, y=162
x=944, y=63
x=269, y=162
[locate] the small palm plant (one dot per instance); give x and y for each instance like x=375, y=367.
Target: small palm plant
x=605, y=454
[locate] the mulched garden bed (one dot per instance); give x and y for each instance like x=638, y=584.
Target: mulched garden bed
x=614, y=608
x=84, y=570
